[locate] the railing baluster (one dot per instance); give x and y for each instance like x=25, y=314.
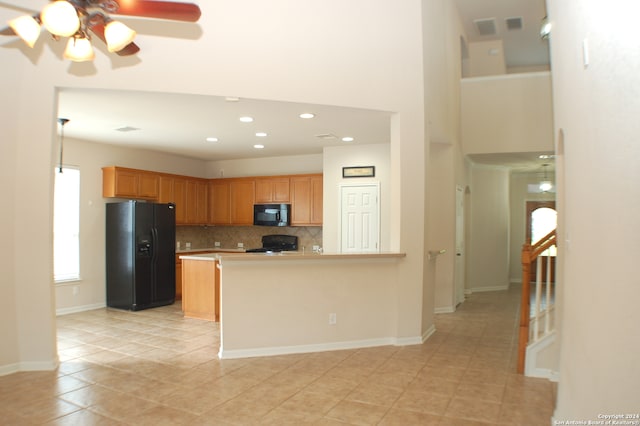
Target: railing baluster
x=547, y=309
x=537, y=310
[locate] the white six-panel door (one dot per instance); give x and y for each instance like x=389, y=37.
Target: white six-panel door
x=360, y=213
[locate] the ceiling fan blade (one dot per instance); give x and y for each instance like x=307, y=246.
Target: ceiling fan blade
x=7, y=31
x=98, y=29
x=172, y=10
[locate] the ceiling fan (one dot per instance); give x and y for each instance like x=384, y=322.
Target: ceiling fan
x=78, y=19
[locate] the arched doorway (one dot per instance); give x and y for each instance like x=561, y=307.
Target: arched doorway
x=542, y=218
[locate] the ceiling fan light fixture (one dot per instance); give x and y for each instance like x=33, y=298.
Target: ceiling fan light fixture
x=118, y=36
x=79, y=49
x=545, y=28
x=60, y=18
x=27, y=28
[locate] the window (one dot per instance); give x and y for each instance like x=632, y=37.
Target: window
x=543, y=221
x=66, y=225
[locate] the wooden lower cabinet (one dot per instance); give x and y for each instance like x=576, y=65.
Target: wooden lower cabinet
x=179, y=270
x=201, y=292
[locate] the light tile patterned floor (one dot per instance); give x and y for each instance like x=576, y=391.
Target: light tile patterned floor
x=154, y=367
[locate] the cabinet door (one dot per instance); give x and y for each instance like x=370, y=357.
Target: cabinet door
x=242, y=198
x=280, y=190
x=219, y=208
x=148, y=184
x=202, y=202
x=300, y=200
x=126, y=184
x=191, y=202
x=306, y=200
x=165, y=190
x=180, y=199
x=272, y=190
x=316, y=200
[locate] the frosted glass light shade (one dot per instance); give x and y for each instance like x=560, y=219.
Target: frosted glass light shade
x=79, y=50
x=60, y=18
x=545, y=186
x=118, y=36
x=27, y=28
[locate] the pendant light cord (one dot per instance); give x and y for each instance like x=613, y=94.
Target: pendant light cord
x=62, y=122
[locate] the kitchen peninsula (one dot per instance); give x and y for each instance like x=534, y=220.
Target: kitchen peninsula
x=294, y=302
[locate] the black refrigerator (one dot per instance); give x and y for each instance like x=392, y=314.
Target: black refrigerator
x=141, y=247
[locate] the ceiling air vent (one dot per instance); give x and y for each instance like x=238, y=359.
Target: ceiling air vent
x=514, y=23
x=486, y=27
x=326, y=136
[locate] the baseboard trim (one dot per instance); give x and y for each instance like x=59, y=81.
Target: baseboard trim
x=323, y=347
x=28, y=366
x=76, y=309
x=444, y=310
x=485, y=289
x=428, y=333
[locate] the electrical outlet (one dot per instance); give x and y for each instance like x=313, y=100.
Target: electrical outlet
x=316, y=248
x=332, y=319
x=240, y=245
x=216, y=244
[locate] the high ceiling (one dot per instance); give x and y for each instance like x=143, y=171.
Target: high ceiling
x=179, y=124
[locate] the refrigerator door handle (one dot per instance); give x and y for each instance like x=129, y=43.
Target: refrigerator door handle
x=154, y=243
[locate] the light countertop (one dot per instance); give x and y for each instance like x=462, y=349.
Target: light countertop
x=210, y=249
x=288, y=255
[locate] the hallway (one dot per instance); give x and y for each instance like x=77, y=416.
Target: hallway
x=155, y=367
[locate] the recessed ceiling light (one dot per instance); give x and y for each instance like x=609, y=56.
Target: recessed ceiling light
x=347, y=139
x=261, y=134
x=246, y=119
x=212, y=139
x=307, y=115
x=258, y=146
x=232, y=99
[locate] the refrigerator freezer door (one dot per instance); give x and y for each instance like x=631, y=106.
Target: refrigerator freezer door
x=164, y=246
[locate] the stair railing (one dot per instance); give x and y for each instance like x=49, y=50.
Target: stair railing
x=530, y=254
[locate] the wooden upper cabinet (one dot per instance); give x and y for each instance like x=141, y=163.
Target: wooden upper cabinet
x=166, y=189
x=231, y=201
x=120, y=182
x=196, y=201
x=180, y=199
x=272, y=190
x=219, y=208
x=226, y=201
x=306, y=200
x=241, y=200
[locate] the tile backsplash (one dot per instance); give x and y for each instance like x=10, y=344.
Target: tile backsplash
x=250, y=236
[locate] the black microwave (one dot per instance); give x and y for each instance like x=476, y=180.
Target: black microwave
x=271, y=214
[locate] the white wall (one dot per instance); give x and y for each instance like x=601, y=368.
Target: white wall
x=266, y=50
x=486, y=58
x=270, y=166
x=509, y=113
x=597, y=109
x=8, y=151
x=445, y=170
x=489, y=246
x=335, y=158
x=90, y=158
